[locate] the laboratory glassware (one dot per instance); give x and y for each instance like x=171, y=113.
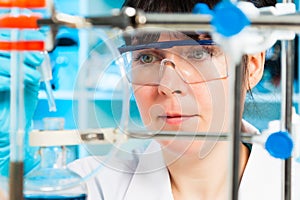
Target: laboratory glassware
x=46, y=72
x=53, y=172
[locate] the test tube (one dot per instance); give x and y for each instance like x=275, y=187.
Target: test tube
x=46, y=72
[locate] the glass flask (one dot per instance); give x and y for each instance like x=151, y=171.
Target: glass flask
x=52, y=180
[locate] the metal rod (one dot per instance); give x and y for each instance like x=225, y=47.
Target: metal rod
x=180, y=22
x=287, y=75
x=245, y=137
x=283, y=106
x=99, y=134
x=202, y=22
x=236, y=131
x=289, y=104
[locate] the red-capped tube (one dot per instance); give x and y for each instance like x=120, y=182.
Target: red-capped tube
x=20, y=22
x=22, y=46
x=23, y=3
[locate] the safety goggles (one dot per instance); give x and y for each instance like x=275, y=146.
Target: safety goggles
x=195, y=61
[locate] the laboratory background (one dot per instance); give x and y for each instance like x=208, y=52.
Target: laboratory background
x=99, y=102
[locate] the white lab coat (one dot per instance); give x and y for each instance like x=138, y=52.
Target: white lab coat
x=147, y=178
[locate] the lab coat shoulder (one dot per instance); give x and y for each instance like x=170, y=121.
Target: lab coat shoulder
x=111, y=178
x=262, y=177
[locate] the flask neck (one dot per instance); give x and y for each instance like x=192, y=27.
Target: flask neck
x=53, y=157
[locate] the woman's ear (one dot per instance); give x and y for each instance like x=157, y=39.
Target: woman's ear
x=255, y=69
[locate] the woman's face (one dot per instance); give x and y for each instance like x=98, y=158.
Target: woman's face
x=176, y=102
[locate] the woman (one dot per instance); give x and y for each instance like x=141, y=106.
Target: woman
x=184, y=87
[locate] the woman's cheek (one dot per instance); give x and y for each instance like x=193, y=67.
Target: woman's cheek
x=145, y=96
x=212, y=104
x=203, y=99
x=219, y=105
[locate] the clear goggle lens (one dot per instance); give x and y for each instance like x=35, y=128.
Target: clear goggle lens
x=195, y=61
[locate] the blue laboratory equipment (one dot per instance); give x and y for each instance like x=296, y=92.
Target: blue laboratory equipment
x=64, y=59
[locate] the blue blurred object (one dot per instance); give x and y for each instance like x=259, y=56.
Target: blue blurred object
x=280, y=145
x=65, y=60
x=202, y=8
x=31, y=82
x=228, y=19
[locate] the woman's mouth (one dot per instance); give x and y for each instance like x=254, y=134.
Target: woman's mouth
x=175, y=119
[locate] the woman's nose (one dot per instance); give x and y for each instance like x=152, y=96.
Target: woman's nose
x=170, y=81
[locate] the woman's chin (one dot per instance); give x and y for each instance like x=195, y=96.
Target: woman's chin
x=181, y=147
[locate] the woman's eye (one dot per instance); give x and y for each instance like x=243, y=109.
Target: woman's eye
x=199, y=54
x=147, y=58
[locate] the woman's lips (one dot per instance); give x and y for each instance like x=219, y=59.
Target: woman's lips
x=176, y=119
